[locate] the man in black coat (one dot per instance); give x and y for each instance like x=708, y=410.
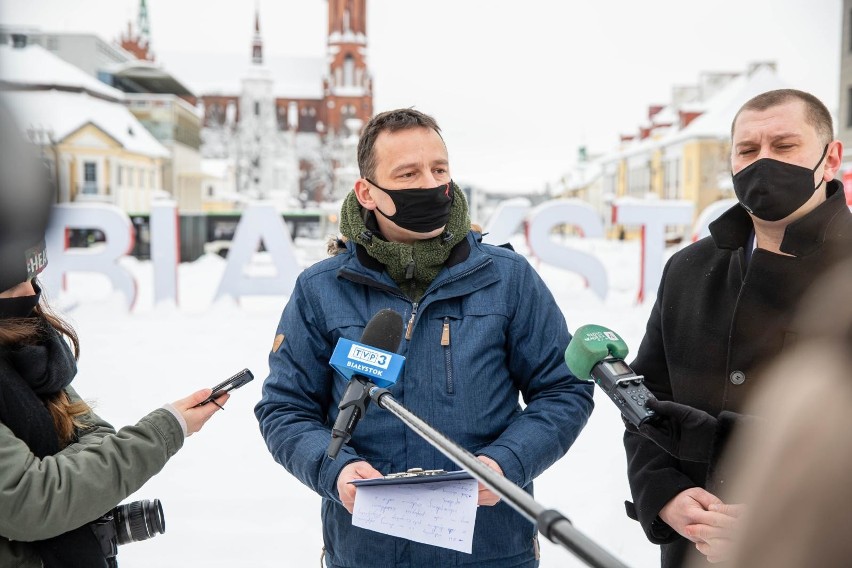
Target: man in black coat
x=724, y=308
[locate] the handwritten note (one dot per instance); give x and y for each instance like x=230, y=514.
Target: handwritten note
x=440, y=513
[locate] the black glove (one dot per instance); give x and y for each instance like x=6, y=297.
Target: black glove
x=683, y=431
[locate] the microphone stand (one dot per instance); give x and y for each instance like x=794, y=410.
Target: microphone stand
x=551, y=523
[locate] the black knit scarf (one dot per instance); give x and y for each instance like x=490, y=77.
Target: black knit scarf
x=28, y=375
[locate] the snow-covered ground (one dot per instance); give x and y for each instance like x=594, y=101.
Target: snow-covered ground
x=226, y=502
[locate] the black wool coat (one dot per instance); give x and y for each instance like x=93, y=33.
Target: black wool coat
x=719, y=318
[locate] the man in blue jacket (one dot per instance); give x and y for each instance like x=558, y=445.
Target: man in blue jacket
x=481, y=328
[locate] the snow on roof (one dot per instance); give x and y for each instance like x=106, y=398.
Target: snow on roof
x=668, y=115
x=693, y=106
x=63, y=113
x=637, y=146
x=582, y=175
x=716, y=120
x=35, y=66
x=222, y=74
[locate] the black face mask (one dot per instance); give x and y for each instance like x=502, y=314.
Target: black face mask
x=19, y=307
x=420, y=210
x=771, y=190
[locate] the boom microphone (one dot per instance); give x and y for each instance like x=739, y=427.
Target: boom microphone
x=373, y=360
x=597, y=354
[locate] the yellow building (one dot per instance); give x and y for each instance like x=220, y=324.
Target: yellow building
x=96, y=149
x=177, y=126
x=683, y=151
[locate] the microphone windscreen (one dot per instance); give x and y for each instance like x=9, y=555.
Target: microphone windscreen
x=590, y=345
x=383, y=331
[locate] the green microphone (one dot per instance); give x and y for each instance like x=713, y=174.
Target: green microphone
x=597, y=354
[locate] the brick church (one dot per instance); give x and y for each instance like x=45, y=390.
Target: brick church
x=285, y=146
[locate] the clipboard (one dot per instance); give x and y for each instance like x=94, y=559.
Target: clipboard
x=414, y=476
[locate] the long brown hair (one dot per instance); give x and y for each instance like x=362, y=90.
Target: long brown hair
x=67, y=415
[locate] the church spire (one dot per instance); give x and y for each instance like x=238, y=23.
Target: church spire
x=257, y=41
x=144, y=24
x=139, y=44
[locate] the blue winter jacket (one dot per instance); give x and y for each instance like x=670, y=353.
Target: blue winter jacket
x=506, y=336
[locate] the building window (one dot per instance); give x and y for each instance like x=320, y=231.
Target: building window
x=349, y=71
x=256, y=108
x=120, y=175
x=677, y=190
x=90, y=177
x=672, y=179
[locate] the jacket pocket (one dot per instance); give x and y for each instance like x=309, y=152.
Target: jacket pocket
x=466, y=346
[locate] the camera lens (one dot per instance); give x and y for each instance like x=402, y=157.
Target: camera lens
x=139, y=520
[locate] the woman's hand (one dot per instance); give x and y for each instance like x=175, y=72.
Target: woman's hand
x=195, y=417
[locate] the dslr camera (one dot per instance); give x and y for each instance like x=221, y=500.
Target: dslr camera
x=131, y=522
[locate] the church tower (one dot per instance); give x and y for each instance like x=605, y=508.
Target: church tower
x=139, y=44
x=257, y=126
x=257, y=40
x=348, y=87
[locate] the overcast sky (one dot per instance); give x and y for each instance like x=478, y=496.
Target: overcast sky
x=517, y=86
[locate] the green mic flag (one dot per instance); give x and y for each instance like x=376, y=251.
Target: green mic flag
x=590, y=345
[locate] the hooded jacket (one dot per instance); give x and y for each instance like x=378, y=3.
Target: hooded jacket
x=42, y=498
x=502, y=333
x=718, y=320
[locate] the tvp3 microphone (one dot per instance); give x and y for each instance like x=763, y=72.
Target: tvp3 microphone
x=597, y=354
x=371, y=362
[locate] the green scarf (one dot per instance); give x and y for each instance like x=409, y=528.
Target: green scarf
x=412, y=267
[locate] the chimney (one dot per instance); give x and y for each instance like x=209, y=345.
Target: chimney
x=755, y=65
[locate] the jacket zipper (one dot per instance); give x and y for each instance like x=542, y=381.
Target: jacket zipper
x=477, y=268
x=448, y=356
x=410, y=328
x=409, y=276
x=445, y=333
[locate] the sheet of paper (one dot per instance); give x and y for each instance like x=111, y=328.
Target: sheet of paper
x=440, y=513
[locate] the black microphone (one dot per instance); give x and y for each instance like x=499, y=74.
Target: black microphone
x=597, y=354
x=383, y=331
